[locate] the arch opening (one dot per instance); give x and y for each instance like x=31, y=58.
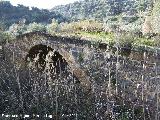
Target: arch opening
x=43, y=57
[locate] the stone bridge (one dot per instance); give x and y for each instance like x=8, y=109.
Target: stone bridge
x=98, y=67
x=26, y=47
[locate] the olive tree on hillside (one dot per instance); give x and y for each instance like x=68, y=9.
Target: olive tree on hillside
x=156, y=17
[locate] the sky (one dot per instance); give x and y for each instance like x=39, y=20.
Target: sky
x=45, y=4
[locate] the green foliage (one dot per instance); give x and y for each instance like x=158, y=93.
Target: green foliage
x=102, y=36
x=156, y=17
x=1, y=37
x=87, y=17
x=157, y=40
x=65, y=27
x=101, y=9
x=91, y=26
x=2, y=26
x=145, y=41
x=18, y=29
x=5, y=37
x=53, y=27
x=32, y=27
x=126, y=39
x=143, y=5
x=130, y=19
x=83, y=25
x=114, y=19
x=133, y=27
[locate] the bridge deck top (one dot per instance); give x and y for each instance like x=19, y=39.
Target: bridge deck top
x=84, y=42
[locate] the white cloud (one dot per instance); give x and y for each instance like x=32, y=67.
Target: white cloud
x=46, y=4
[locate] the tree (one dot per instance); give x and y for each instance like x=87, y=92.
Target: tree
x=147, y=27
x=156, y=17
x=32, y=27
x=18, y=29
x=4, y=36
x=53, y=27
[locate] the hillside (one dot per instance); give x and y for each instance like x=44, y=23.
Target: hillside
x=126, y=11
x=12, y=14
x=100, y=9
x=95, y=19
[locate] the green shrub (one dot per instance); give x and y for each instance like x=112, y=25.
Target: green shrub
x=53, y=27
x=126, y=39
x=144, y=41
x=36, y=27
x=5, y=37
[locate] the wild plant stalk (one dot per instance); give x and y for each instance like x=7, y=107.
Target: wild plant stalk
x=76, y=102
x=19, y=87
x=94, y=85
x=109, y=83
x=16, y=69
x=48, y=78
x=117, y=56
x=157, y=88
x=143, y=82
x=133, y=117
x=107, y=72
x=157, y=114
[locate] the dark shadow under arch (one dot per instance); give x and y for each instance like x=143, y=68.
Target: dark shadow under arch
x=38, y=55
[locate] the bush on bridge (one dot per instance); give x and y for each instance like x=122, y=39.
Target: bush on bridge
x=83, y=25
x=32, y=27
x=53, y=27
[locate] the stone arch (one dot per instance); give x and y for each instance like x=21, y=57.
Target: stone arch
x=59, y=57
x=23, y=45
